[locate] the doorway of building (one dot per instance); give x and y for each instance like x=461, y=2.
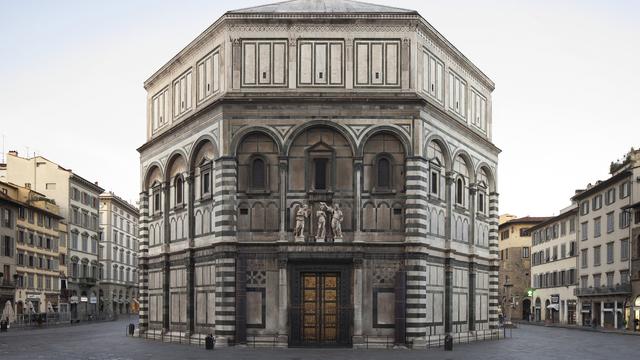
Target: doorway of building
x=321, y=312
x=319, y=307
x=526, y=309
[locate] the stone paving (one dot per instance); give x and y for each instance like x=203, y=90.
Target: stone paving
x=107, y=340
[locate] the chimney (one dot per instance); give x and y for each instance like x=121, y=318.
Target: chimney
x=13, y=153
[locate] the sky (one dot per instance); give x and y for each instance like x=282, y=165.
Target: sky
x=565, y=104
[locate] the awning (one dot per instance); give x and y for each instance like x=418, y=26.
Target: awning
x=555, y=307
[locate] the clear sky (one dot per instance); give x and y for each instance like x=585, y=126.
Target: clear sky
x=565, y=104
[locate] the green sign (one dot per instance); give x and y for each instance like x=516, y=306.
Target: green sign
x=530, y=292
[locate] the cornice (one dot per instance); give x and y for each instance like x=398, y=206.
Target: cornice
x=403, y=97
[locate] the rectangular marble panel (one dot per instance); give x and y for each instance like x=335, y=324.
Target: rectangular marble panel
x=255, y=308
x=279, y=63
x=377, y=75
x=336, y=63
x=320, y=72
x=305, y=63
x=249, y=63
x=386, y=309
x=362, y=64
x=391, y=68
x=264, y=63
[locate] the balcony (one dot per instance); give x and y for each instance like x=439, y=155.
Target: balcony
x=603, y=290
x=7, y=285
x=87, y=281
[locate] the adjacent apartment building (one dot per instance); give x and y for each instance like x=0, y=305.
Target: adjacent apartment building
x=8, y=211
x=118, y=253
x=515, y=265
x=553, y=270
x=38, y=253
x=78, y=200
x=604, y=236
x=632, y=312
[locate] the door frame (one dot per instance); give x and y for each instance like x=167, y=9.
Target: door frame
x=345, y=312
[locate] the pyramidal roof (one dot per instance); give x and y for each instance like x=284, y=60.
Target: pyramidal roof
x=322, y=7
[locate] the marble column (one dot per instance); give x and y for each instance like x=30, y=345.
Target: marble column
x=357, y=300
x=449, y=180
x=283, y=297
x=357, y=200
x=282, y=167
x=143, y=253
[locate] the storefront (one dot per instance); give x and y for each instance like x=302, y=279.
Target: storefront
x=586, y=314
x=571, y=312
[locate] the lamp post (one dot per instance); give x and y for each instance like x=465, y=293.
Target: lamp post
x=509, y=301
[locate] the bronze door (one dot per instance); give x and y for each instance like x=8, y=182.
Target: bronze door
x=320, y=302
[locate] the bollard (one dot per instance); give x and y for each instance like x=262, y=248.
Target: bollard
x=448, y=342
x=209, y=342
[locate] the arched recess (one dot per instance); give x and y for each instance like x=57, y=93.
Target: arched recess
x=437, y=142
x=489, y=174
x=468, y=162
x=239, y=138
x=300, y=129
x=176, y=171
x=384, y=146
x=463, y=178
x=153, y=175
x=152, y=186
x=438, y=155
x=324, y=153
x=258, y=147
x=201, y=166
x=485, y=185
x=390, y=130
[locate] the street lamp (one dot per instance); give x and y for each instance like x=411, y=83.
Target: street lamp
x=507, y=291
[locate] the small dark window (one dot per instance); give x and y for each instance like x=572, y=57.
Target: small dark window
x=156, y=201
x=384, y=173
x=397, y=211
x=459, y=191
x=320, y=174
x=481, y=202
x=434, y=182
x=258, y=178
x=244, y=211
x=179, y=187
x=206, y=183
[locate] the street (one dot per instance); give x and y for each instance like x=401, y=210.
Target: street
x=107, y=340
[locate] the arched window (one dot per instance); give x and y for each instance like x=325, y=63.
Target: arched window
x=460, y=191
x=179, y=188
x=258, y=174
x=383, y=173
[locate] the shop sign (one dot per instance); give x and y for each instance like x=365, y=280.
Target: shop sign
x=73, y=300
x=555, y=299
x=93, y=300
x=83, y=299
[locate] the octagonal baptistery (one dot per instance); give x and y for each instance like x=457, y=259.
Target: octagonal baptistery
x=319, y=172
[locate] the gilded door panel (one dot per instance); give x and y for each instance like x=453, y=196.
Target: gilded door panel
x=320, y=307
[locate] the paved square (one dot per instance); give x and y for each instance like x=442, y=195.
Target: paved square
x=108, y=341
